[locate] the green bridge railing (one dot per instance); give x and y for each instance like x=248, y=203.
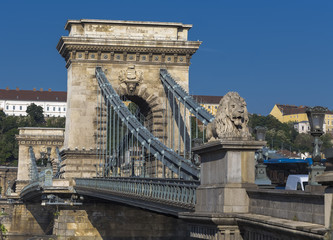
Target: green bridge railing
x=170, y=191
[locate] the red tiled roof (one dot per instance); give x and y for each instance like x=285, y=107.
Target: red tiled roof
x=32, y=95
x=207, y=99
x=287, y=153
x=292, y=109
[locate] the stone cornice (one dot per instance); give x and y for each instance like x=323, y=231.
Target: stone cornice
x=40, y=140
x=67, y=44
x=78, y=154
x=229, y=145
x=120, y=22
x=39, y=137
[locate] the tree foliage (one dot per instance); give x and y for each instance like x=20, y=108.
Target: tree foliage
x=327, y=141
x=304, y=142
x=36, y=114
x=283, y=135
x=278, y=134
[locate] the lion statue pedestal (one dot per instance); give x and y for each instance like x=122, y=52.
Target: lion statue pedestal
x=227, y=170
x=227, y=160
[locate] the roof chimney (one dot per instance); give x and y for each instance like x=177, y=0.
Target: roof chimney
x=17, y=89
x=7, y=88
x=34, y=89
x=41, y=89
x=49, y=89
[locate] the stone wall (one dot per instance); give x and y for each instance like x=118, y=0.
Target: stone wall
x=117, y=45
x=128, y=52
x=92, y=220
x=40, y=139
x=26, y=220
x=8, y=175
x=116, y=221
x=108, y=220
x=292, y=205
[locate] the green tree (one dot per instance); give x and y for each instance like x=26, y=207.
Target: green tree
x=327, y=140
x=55, y=122
x=35, y=113
x=196, y=130
x=8, y=144
x=278, y=134
x=304, y=142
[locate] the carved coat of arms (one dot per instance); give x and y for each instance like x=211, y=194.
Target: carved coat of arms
x=130, y=79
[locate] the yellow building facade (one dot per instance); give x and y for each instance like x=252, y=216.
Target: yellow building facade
x=292, y=113
x=210, y=103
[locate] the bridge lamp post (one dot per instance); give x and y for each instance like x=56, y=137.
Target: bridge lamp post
x=260, y=174
x=316, y=116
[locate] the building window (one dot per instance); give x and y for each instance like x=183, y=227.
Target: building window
x=7, y=107
x=13, y=107
x=53, y=108
x=20, y=107
x=59, y=109
x=302, y=128
x=64, y=109
x=47, y=108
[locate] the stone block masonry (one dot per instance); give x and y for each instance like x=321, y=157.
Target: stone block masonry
x=27, y=220
x=120, y=47
x=107, y=220
x=291, y=205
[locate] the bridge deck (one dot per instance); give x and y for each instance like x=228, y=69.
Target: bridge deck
x=162, y=195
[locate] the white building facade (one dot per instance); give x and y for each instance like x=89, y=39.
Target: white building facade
x=304, y=127
x=15, y=102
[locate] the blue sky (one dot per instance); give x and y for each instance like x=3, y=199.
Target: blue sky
x=269, y=51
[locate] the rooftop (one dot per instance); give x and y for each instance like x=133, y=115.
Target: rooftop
x=293, y=109
x=207, y=99
x=33, y=95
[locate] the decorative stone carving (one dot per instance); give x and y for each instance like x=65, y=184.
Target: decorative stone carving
x=130, y=79
x=231, y=119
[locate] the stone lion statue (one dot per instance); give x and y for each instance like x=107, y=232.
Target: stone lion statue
x=231, y=119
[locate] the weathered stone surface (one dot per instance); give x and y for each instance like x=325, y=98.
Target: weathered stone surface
x=8, y=176
x=231, y=119
x=132, y=54
x=27, y=219
x=114, y=221
x=256, y=227
x=40, y=139
x=291, y=205
x=118, y=56
x=79, y=163
x=227, y=170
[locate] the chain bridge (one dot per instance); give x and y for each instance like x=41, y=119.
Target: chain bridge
x=134, y=145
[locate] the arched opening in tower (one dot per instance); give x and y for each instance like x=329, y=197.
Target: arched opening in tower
x=141, y=110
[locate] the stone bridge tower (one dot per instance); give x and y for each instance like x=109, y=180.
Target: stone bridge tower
x=40, y=139
x=131, y=54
